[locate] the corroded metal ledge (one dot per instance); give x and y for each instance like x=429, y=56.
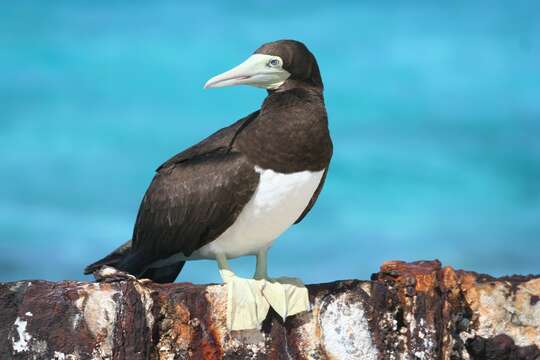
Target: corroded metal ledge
x=407, y=311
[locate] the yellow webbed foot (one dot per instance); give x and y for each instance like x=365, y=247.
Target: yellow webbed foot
x=249, y=300
x=287, y=296
x=246, y=306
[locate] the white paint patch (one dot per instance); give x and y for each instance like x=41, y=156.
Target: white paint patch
x=75, y=321
x=75, y=356
x=24, y=337
x=278, y=202
x=100, y=316
x=345, y=330
x=19, y=284
x=503, y=311
x=79, y=303
x=148, y=303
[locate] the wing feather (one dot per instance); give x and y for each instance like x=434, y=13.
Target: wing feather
x=189, y=204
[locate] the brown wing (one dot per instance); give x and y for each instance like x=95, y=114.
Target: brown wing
x=180, y=211
x=191, y=203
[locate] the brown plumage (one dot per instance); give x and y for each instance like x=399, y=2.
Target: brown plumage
x=197, y=194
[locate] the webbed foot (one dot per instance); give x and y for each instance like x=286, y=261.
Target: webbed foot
x=246, y=306
x=287, y=296
x=248, y=300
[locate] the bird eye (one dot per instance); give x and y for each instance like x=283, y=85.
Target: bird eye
x=274, y=62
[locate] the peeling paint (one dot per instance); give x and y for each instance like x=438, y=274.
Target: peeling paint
x=100, y=316
x=24, y=338
x=148, y=303
x=500, y=311
x=345, y=330
x=39, y=346
x=59, y=355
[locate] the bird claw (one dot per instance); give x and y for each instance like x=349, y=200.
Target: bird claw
x=108, y=274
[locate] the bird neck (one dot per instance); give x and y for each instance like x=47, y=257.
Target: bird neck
x=290, y=133
x=290, y=84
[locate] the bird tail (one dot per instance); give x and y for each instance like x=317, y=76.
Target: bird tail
x=124, y=259
x=113, y=259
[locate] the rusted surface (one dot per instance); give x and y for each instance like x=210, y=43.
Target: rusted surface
x=417, y=310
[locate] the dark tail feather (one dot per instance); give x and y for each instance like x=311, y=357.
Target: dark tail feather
x=113, y=259
x=165, y=274
x=136, y=263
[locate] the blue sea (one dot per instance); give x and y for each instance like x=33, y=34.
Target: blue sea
x=434, y=109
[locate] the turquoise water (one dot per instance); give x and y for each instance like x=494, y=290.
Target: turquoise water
x=434, y=110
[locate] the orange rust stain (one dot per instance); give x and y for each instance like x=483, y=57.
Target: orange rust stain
x=411, y=268
x=328, y=356
x=449, y=278
x=470, y=290
x=424, y=273
x=425, y=282
x=216, y=335
x=181, y=328
x=210, y=352
x=449, y=282
x=316, y=314
x=468, y=281
x=104, y=286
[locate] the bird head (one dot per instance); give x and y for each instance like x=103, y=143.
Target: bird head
x=272, y=66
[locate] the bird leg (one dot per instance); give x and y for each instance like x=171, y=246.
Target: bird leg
x=246, y=306
x=287, y=296
x=261, y=267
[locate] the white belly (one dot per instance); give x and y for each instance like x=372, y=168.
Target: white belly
x=277, y=203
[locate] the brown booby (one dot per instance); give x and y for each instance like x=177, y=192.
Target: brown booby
x=235, y=192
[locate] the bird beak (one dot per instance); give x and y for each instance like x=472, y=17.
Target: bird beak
x=255, y=71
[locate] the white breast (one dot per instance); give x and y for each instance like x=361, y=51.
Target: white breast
x=277, y=203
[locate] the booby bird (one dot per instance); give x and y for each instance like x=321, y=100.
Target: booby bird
x=236, y=191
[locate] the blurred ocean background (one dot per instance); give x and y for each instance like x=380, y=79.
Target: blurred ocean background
x=434, y=110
